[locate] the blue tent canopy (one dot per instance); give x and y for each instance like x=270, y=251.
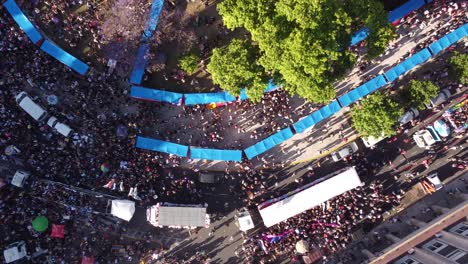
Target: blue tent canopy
x=140, y=64
x=449, y=39
x=208, y=98
x=408, y=64
x=268, y=143
x=330, y=109
x=271, y=86
x=349, y=97
x=22, y=21
x=215, y=154
x=405, y=9
x=161, y=146
x=153, y=18
x=359, y=36
x=155, y=95
x=64, y=57
x=317, y=116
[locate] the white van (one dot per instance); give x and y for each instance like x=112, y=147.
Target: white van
x=33, y=109
x=370, y=141
x=20, y=178
x=59, y=127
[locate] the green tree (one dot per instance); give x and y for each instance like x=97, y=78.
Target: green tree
x=305, y=41
x=459, y=66
x=419, y=93
x=235, y=66
x=189, y=63
x=376, y=115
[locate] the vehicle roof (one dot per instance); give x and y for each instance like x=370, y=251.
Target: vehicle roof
x=32, y=108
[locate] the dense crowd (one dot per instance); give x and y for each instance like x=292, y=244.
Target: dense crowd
x=328, y=227
x=98, y=104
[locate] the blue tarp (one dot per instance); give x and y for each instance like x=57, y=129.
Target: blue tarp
x=140, y=64
x=161, y=146
x=317, y=116
x=208, y=98
x=153, y=19
x=64, y=57
x=359, y=36
x=215, y=154
x=155, y=95
x=22, y=21
x=268, y=143
x=449, y=39
x=408, y=64
x=330, y=109
x=349, y=97
x=404, y=10
x=271, y=86
x=370, y=86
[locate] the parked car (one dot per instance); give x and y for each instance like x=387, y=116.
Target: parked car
x=435, y=181
x=210, y=177
x=409, y=115
x=370, y=141
x=424, y=138
x=30, y=107
x=442, y=128
x=345, y=152
x=59, y=127
x=244, y=220
x=441, y=97
x=19, y=178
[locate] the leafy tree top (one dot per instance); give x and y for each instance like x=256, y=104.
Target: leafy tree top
x=189, y=63
x=419, y=93
x=459, y=63
x=305, y=41
x=376, y=115
x=235, y=66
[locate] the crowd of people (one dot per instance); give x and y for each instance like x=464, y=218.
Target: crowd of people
x=95, y=106
x=328, y=227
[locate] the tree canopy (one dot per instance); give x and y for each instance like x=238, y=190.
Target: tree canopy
x=419, y=93
x=189, y=63
x=303, y=43
x=376, y=115
x=235, y=66
x=459, y=65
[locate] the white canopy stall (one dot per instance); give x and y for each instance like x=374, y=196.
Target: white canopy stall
x=123, y=209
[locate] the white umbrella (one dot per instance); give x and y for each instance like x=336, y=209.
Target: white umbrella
x=302, y=247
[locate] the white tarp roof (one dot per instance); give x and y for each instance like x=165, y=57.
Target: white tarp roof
x=181, y=216
x=16, y=252
x=18, y=178
x=123, y=209
x=245, y=221
x=309, y=197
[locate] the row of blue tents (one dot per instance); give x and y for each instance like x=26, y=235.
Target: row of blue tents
x=144, y=93
x=311, y=120
x=47, y=46
x=140, y=61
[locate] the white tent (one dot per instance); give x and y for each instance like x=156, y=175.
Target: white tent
x=245, y=221
x=313, y=194
x=123, y=209
x=16, y=251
